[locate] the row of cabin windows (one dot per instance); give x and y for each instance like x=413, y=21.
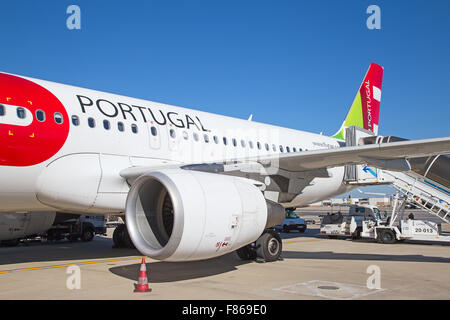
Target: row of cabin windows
x=173, y=135
x=40, y=115
x=106, y=124
x=58, y=118
x=234, y=142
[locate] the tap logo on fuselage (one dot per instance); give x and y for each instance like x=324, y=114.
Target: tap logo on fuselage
x=33, y=123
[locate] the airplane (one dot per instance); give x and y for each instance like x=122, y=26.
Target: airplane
x=192, y=185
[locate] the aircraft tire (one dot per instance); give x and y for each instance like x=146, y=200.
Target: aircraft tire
x=269, y=246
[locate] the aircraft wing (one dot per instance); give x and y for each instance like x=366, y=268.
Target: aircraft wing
x=391, y=156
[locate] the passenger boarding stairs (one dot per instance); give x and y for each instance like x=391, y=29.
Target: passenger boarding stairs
x=420, y=191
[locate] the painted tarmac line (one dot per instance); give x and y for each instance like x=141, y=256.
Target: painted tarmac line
x=69, y=264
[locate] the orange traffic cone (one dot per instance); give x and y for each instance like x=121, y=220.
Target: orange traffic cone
x=142, y=285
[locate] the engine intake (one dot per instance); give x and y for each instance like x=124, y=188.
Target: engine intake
x=180, y=215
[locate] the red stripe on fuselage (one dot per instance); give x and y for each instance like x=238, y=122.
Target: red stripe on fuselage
x=39, y=141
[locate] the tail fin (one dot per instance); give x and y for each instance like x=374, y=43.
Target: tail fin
x=365, y=110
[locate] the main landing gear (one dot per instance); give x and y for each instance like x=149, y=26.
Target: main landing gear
x=121, y=238
x=266, y=248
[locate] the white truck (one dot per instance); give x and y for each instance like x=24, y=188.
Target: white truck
x=351, y=224
x=74, y=227
x=15, y=227
x=405, y=229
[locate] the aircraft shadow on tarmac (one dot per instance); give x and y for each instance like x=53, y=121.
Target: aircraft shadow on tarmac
x=99, y=248
x=158, y=272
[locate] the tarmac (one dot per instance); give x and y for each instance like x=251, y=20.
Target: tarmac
x=313, y=267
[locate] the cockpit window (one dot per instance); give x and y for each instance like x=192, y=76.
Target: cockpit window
x=21, y=113
x=58, y=118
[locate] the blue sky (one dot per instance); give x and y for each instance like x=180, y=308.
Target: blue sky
x=296, y=64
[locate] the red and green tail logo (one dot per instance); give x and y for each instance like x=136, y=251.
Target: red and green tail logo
x=365, y=110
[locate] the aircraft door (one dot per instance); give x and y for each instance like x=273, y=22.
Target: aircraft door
x=155, y=136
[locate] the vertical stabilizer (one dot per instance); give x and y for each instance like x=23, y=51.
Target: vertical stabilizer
x=365, y=109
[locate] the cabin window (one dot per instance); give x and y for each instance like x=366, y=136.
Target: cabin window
x=234, y=142
x=153, y=131
x=216, y=140
x=258, y=144
x=243, y=143
x=106, y=124
x=294, y=149
x=75, y=120
x=21, y=113
x=225, y=142
x=288, y=149
x=281, y=148
x=172, y=133
x=267, y=146
x=185, y=135
x=40, y=115
x=195, y=136
x=206, y=138
x=58, y=118
x=120, y=126
x=2, y=110
x=91, y=122
x=250, y=143
x=134, y=128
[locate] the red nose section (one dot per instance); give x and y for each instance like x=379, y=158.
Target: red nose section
x=33, y=123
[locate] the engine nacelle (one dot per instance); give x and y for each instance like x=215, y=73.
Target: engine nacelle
x=181, y=215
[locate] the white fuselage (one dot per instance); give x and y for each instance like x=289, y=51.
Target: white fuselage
x=84, y=172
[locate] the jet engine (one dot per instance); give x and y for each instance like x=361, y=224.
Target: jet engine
x=182, y=215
